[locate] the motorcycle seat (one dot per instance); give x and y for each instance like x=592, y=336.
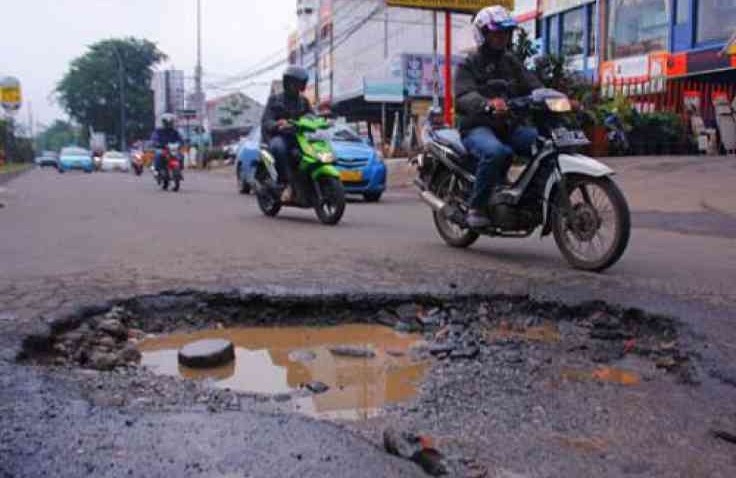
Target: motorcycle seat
x=450, y=138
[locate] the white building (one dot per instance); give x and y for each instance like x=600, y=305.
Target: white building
x=169, y=95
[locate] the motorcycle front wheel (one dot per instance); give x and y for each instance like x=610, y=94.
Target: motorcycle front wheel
x=594, y=233
x=331, y=206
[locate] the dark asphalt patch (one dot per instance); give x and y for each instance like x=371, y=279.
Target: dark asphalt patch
x=704, y=223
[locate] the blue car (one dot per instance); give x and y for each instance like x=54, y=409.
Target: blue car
x=361, y=169
x=73, y=157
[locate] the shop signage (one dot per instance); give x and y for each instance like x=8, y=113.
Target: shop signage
x=383, y=91
x=550, y=7
x=418, y=74
x=10, y=93
x=459, y=6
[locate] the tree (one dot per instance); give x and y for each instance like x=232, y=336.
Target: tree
x=524, y=48
x=59, y=134
x=90, y=90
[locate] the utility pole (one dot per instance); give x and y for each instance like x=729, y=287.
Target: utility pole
x=198, y=79
x=30, y=120
x=317, y=48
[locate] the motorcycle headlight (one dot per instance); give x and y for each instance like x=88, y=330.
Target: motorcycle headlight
x=326, y=157
x=558, y=105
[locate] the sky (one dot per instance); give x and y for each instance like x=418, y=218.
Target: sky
x=39, y=38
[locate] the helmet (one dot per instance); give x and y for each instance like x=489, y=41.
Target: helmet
x=167, y=120
x=493, y=18
x=297, y=76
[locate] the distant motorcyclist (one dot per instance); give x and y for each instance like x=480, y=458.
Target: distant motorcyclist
x=163, y=136
x=483, y=83
x=276, y=130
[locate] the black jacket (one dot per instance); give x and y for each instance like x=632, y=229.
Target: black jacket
x=282, y=107
x=477, y=80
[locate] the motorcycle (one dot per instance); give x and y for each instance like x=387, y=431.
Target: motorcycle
x=564, y=193
x=138, y=163
x=170, y=168
x=616, y=133
x=317, y=180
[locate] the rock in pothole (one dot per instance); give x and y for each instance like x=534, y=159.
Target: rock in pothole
x=207, y=353
x=351, y=351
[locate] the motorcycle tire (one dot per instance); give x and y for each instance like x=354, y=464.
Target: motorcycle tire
x=451, y=233
x=332, y=205
x=579, y=227
x=175, y=188
x=268, y=200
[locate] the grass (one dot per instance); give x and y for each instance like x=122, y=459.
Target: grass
x=13, y=167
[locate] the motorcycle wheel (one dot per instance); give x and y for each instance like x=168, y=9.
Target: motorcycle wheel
x=164, y=181
x=451, y=233
x=268, y=200
x=177, y=181
x=332, y=206
x=595, y=235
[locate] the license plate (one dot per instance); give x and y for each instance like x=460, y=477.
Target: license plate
x=351, y=176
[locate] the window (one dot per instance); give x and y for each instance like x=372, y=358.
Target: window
x=716, y=20
x=573, y=32
x=553, y=35
x=637, y=27
x=593, y=28
x=682, y=13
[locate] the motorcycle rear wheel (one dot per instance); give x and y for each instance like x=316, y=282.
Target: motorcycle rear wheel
x=453, y=234
x=597, y=205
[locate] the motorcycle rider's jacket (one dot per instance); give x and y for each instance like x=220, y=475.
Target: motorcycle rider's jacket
x=487, y=74
x=163, y=136
x=282, y=106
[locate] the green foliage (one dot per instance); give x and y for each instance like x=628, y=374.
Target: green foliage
x=524, y=48
x=90, y=90
x=619, y=105
x=17, y=149
x=658, y=133
x=59, y=134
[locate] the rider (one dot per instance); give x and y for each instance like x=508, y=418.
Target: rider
x=276, y=130
x=165, y=135
x=483, y=83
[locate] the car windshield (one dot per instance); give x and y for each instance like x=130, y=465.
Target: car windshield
x=343, y=133
x=75, y=152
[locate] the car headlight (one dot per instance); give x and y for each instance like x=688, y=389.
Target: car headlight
x=326, y=157
x=558, y=105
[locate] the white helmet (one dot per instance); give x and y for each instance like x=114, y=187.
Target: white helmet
x=168, y=118
x=493, y=18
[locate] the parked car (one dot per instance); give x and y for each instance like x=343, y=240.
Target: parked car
x=47, y=158
x=361, y=168
x=115, y=161
x=73, y=157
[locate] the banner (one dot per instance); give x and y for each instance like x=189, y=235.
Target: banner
x=10, y=93
x=459, y=6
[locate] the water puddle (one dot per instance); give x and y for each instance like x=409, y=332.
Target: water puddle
x=603, y=374
x=280, y=360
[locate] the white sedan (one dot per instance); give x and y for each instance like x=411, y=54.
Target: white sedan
x=115, y=161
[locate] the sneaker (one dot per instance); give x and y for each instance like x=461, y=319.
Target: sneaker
x=477, y=220
x=286, y=195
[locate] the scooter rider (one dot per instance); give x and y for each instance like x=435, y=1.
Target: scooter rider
x=165, y=135
x=276, y=130
x=483, y=83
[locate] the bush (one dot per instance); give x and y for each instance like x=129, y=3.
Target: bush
x=658, y=133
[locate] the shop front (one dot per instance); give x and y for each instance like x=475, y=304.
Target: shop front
x=569, y=28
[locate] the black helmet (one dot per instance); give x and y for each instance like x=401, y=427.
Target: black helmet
x=297, y=76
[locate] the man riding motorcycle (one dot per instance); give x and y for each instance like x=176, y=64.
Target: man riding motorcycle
x=163, y=136
x=483, y=83
x=276, y=130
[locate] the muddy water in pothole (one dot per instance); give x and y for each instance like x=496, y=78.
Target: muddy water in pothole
x=280, y=360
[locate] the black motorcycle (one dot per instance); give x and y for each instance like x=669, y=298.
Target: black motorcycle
x=560, y=191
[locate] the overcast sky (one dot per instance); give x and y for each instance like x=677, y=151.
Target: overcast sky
x=38, y=38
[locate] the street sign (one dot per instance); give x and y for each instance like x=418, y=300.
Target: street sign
x=10, y=94
x=459, y=6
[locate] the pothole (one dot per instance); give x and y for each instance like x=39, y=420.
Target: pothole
x=347, y=371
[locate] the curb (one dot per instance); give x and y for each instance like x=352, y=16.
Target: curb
x=7, y=177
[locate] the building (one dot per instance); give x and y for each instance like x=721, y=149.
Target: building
x=657, y=50
x=231, y=116
x=367, y=61
x=169, y=95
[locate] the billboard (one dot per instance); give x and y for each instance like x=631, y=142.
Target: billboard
x=418, y=74
x=460, y=6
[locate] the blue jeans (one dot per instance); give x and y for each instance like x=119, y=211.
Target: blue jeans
x=494, y=158
x=281, y=147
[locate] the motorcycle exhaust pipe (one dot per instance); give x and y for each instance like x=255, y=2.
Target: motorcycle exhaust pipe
x=433, y=201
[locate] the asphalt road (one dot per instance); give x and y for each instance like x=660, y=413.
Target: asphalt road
x=75, y=238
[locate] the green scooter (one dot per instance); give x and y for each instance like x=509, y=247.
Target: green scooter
x=317, y=180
